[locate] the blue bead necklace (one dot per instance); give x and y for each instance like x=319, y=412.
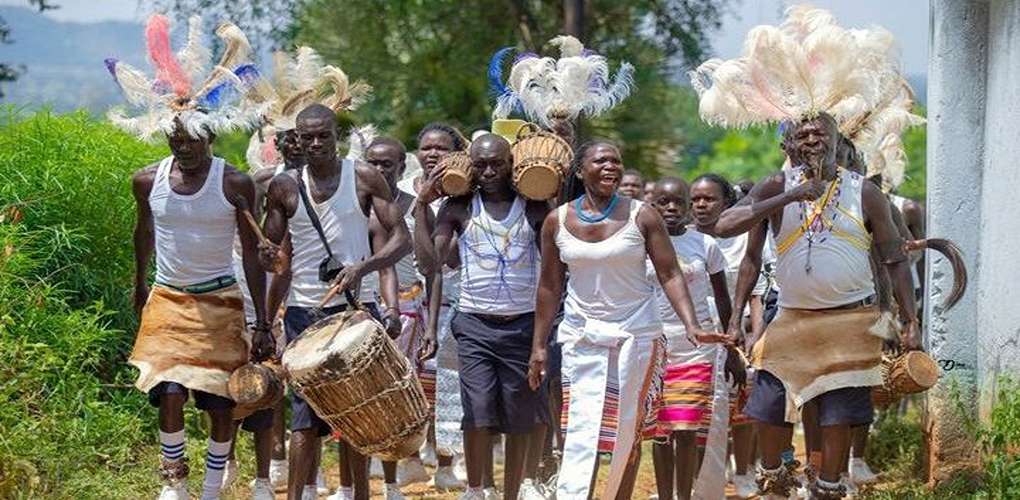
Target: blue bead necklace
x=584, y=216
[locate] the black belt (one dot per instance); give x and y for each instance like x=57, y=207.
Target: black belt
x=497, y=318
x=865, y=302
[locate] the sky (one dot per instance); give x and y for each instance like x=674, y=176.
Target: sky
x=906, y=19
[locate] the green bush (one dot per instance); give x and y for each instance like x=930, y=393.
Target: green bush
x=70, y=424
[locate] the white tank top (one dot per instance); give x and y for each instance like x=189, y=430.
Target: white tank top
x=406, y=267
x=346, y=227
x=607, y=280
x=839, y=245
x=499, y=262
x=194, y=232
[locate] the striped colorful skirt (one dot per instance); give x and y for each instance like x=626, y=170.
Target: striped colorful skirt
x=686, y=403
x=611, y=406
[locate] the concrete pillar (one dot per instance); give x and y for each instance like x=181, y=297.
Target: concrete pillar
x=955, y=181
x=998, y=290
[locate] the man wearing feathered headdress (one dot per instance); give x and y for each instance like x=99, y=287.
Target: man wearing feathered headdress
x=331, y=250
x=190, y=206
x=810, y=75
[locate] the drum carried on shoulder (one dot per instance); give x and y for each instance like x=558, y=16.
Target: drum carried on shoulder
x=458, y=178
x=541, y=162
x=909, y=373
x=356, y=379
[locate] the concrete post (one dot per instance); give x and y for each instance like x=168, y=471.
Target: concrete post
x=999, y=286
x=955, y=181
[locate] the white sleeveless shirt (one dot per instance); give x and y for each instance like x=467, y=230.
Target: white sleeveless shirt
x=607, y=280
x=406, y=267
x=451, y=277
x=835, y=247
x=194, y=232
x=499, y=262
x=346, y=228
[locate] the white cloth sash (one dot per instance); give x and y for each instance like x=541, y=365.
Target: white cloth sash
x=586, y=361
x=711, y=480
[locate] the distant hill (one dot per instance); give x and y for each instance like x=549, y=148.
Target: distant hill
x=64, y=60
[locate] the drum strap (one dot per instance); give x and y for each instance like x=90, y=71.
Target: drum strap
x=314, y=217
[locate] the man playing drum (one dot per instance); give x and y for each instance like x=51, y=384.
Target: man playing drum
x=341, y=193
x=497, y=232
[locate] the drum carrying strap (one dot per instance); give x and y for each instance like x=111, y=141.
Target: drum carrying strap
x=314, y=217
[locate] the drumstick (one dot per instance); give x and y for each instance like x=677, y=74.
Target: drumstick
x=242, y=205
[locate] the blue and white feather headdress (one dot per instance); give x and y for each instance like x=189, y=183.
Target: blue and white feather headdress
x=186, y=87
x=543, y=88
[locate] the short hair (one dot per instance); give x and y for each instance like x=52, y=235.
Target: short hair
x=316, y=112
x=388, y=141
x=634, y=172
x=459, y=142
x=729, y=195
x=574, y=187
x=674, y=180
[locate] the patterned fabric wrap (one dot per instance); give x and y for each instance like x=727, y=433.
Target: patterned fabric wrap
x=449, y=413
x=611, y=407
x=413, y=318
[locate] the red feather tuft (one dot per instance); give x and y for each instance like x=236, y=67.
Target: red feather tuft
x=168, y=69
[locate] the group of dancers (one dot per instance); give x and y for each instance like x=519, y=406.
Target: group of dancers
x=703, y=318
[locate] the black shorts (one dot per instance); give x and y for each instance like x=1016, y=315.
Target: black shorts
x=203, y=400
x=258, y=421
x=846, y=406
x=494, y=389
x=295, y=321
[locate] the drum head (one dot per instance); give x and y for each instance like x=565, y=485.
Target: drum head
x=539, y=182
x=921, y=368
x=333, y=335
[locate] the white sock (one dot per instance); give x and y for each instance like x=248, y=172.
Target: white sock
x=171, y=445
x=215, y=462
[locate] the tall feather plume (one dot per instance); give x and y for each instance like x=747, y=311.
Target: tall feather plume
x=306, y=68
x=568, y=45
x=195, y=57
x=359, y=140
x=168, y=69
x=495, y=72
x=219, y=105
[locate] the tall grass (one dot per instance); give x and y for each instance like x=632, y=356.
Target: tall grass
x=70, y=424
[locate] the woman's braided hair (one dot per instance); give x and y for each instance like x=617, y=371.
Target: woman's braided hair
x=728, y=193
x=460, y=143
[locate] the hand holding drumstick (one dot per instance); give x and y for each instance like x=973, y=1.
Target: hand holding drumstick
x=272, y=256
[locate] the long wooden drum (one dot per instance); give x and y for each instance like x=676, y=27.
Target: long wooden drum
x=356, y=380
x=457, y=177
x=255, y=387
x=541, y=162
x=911, y=373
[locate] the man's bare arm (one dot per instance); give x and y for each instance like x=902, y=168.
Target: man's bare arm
x=747, y=277
x=766, y=198
x=887, y=240
x=144, y=233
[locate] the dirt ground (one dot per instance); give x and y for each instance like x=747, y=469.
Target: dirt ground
x=645, y=485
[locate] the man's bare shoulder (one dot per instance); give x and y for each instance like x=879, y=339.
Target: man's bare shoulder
x=143, y=179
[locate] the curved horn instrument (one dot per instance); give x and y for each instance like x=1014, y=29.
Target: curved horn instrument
x=951, y=252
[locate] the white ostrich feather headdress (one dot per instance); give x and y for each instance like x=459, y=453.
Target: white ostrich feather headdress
x=186, y=87
x=303, y=80
x=543, y=88
x=875, y=128
x=788, y=73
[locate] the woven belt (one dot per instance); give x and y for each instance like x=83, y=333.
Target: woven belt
x=203, y=287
